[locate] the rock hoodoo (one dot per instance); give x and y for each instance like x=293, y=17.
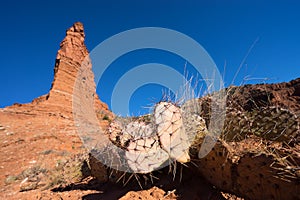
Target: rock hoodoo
x=43, y=132
x=71, y=60
x=68, y=61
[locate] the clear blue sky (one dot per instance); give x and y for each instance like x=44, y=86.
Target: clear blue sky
x=32, y=30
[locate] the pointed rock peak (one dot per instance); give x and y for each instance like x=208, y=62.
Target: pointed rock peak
x=72, y=68
x=73, y=47
x=72, y=63
x=76, y=28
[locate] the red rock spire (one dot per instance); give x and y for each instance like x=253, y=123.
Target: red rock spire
x=72, y=64
x=68, y=61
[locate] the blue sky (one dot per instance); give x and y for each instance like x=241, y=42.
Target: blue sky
x=32, y=30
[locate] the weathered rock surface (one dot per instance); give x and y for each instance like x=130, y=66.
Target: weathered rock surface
x=152, y=194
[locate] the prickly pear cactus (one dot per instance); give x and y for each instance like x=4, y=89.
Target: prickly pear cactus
x=274, y=123
x=156, y=140
x=256, y=156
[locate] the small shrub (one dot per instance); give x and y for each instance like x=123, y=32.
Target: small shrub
x=11, y=179
x=106, y=118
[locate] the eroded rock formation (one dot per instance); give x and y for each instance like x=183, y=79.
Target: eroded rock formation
x=42, y=134
x=72, y=59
